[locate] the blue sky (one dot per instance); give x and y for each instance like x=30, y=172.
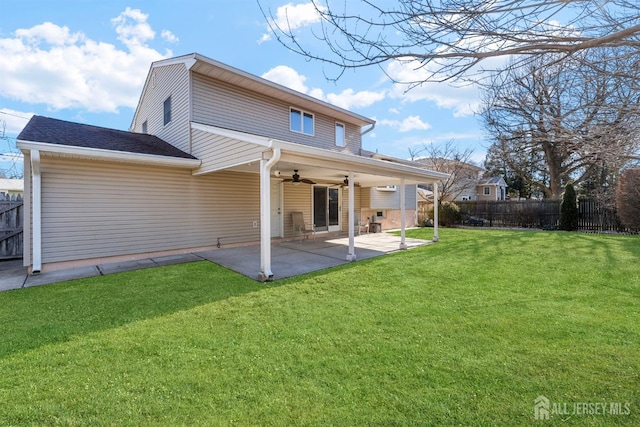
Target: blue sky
x=86, y=61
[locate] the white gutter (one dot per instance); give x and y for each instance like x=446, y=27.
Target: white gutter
x=101, y=154
x=265, y=215
x=36, y=187
x=373, y=126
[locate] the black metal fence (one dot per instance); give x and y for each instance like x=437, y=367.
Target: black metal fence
x=541, y=214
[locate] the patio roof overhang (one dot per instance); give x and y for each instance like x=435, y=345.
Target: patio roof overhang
x=267, y=155
x=320, y=164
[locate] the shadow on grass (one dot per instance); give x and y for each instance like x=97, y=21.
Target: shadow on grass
x=38, y=316
x=33, y=317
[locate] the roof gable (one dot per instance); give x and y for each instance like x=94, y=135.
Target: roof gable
x=60, y=132
x=493, y=180
x=201, y=64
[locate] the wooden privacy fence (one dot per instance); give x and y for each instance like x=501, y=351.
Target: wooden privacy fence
x=544, y=214
x=11, y=222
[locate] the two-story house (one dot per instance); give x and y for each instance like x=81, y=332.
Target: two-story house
x=214, y=157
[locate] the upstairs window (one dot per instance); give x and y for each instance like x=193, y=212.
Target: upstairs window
x=300, y=121
x=340, y=135
x=144, y=127
x=167, y=110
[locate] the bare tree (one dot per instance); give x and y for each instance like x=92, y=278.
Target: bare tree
x=559, y=121
x=628, y=198
x=449, y=39
x=450, y=159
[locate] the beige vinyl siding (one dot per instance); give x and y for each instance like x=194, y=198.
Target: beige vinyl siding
x=345, y=207
x=219, y=104
x=100, y=209
x=297, y=198
x=170, y=80
x=391, y=199
x=218, y=152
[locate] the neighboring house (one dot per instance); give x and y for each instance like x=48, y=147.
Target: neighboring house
x=492, y=188
x=462, y=180
x=11, y=186
x=210, y=160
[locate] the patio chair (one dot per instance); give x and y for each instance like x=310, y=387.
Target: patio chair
x=362, y=225
x=299, y=226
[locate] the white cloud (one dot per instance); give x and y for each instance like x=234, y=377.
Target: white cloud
x=287, y=76
x=406, y=125
x=132, y=28
x=50, y=33
x=14, y=120
x=48, y=64
x=169, y=36
x=290, y=17
x=347, y=99
x=464, y=101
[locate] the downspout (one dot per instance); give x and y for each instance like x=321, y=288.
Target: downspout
x=403, y=214
x=435, y=212
x=36, y=188
x=265, y=215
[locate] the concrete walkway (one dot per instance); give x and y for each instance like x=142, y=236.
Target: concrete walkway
x=288, y=258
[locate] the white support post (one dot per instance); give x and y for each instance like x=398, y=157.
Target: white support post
x=265, y=216
x=351, y=256
x=435, y=212
x=36, y=187
x=403, y=221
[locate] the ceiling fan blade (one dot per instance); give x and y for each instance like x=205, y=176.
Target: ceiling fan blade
x=307, y=181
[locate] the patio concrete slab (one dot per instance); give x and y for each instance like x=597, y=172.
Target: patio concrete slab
x=288, y=258
x=12, y=274
x=61, y=276
x=292, y=258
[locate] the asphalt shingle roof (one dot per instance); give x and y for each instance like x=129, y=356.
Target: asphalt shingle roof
x=60, y=132
x=490, y=180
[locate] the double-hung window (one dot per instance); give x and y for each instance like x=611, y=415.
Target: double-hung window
x=300, y=121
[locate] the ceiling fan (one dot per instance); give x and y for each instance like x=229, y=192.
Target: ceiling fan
x=296, y=180
x=345, y=182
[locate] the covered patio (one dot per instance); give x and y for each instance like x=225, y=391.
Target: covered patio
x=269, y=157
x=295, y=257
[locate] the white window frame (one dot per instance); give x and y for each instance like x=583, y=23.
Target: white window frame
x=486, y=191
x=344, y=134
x=302, y=116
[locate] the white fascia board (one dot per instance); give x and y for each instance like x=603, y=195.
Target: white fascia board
x=108, y=155
x=370, y=165
x=359, y=161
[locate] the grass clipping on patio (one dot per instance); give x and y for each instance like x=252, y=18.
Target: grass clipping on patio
x=468, y=331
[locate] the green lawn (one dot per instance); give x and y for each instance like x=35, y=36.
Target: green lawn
x=465, y=332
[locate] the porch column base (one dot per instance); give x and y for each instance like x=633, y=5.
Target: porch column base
x=351, y=257
x=403, y=246
x=435, y=239
x=265, y=277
